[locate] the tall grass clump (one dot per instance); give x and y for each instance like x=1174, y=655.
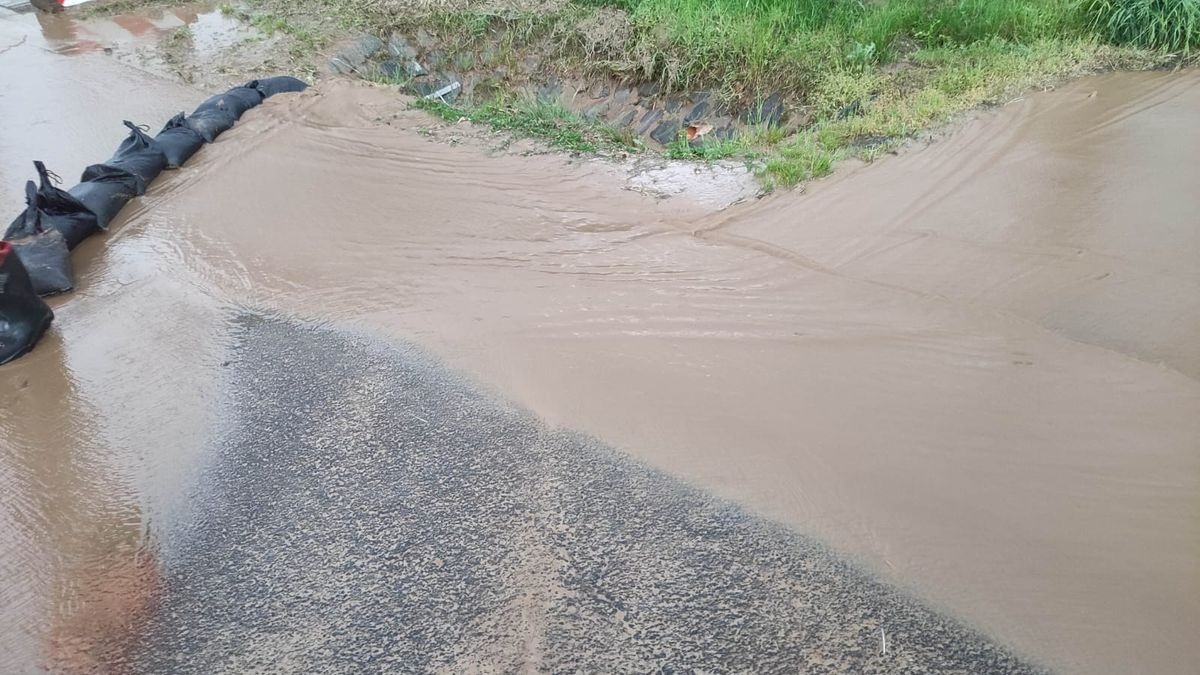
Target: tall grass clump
x=748, y=44
x=934, y=23
x=1169, y=25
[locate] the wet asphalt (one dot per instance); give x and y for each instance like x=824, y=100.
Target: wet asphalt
x=367, y=510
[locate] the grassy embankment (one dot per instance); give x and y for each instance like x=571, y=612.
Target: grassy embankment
x=859, y=75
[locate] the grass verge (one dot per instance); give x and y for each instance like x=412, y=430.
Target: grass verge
x=1170, y=25
x=858, y=76
x=550, y=122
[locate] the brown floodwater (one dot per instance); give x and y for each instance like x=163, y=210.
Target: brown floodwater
x=973, y=367
x=77, y=470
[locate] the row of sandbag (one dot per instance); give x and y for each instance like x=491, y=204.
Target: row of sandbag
x=55, y=221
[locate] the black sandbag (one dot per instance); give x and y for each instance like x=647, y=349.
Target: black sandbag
x=282, y=84
x=62, y=211
x=42, y=248
x=237, y=101
x=105, y=190
x=24, y=316
x=244, y=98
x=178, y=141
x=138, y=154
x=212, y=118
x=58, y=209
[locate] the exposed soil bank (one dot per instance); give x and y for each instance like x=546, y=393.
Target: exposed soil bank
x=975, y=365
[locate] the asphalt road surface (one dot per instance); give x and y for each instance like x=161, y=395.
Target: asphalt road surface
x=366, y=510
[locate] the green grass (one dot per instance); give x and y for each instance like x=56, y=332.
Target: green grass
x=375, y=74
x=113, y=7
x=859, y=76
x=801, y=158
x=751, y=45
x=708, y=150
x=307, y=37
x=939, y=84
x=868, y=74
x=1171, y=25
x=534, y=118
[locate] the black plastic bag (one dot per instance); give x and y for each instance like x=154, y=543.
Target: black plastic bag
x=178, y=141
x=60, y=210
x=139, y=155
x=105, y=190
x=42, y=248
x=212, y=118
x=282, y=84
x=24, y=316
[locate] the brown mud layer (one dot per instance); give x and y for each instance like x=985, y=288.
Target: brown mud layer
x=974, y=367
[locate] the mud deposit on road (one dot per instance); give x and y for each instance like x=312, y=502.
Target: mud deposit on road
x=972, y=369
x=368, y=511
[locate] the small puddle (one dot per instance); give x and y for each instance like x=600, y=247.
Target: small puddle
x=207, y=30
x=67, y=104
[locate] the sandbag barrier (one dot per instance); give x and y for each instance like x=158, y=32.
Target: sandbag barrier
x=35, y=258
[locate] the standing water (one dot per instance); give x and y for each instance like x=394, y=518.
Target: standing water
x=972, y=368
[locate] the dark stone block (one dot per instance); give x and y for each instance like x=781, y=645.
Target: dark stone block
x=666, y=132
x=399, y=47
x=696, y=112
x=595, y=111
x=426, y=85
x=649, y=89
x=354, y=55
x=769, y=111
x=649, y=120
x=391, y=69
x=625, y=96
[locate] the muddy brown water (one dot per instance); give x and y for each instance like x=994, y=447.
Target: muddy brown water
x=973, y=367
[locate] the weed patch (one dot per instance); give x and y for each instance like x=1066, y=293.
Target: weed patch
x=548, y=121
x=709, y=150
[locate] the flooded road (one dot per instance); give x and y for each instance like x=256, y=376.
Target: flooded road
x=972, y=369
